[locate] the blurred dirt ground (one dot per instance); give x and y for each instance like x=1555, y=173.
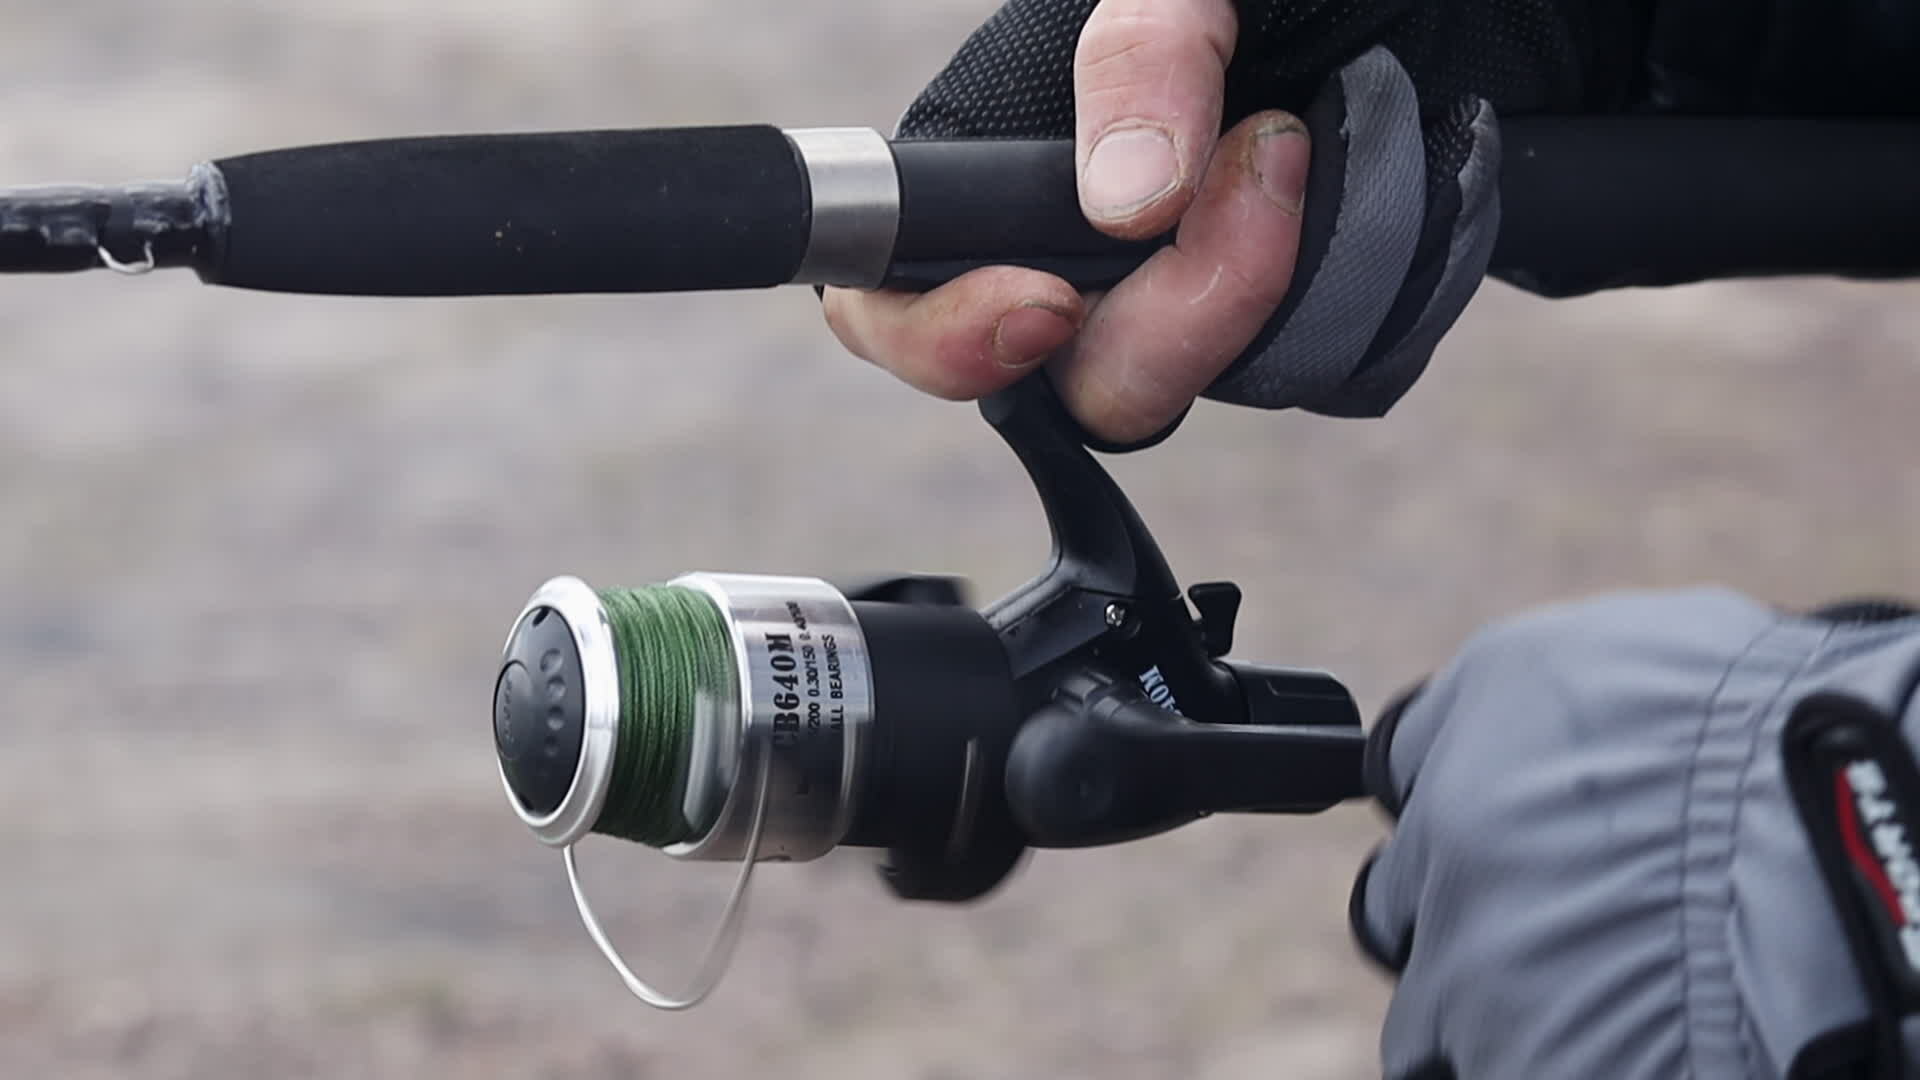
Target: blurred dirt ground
x=260, y=551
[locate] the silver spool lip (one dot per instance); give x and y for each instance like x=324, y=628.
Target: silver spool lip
x=576, y=602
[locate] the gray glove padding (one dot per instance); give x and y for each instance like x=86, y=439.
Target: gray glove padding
x=1598, y=869
x=1400, y=219
x=1401, y=205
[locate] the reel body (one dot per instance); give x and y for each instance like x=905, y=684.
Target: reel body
x=782, y=717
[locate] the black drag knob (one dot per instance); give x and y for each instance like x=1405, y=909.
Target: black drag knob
x=540, y=711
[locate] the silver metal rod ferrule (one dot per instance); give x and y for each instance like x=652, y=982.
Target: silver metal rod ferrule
x=855, y=188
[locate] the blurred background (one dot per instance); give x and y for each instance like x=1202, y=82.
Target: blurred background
x=259, y=554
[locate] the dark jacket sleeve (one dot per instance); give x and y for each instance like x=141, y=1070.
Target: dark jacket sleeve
x=1838, y=57
x=1753, y=57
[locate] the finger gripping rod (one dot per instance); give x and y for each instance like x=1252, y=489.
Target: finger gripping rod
x=1587, y=202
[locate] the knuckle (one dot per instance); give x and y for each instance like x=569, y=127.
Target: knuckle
x=1118, y=50
x=1240, y=246
x=1244, y=280
x=1119, y=27
x=1141, y=44
x=1233, y=288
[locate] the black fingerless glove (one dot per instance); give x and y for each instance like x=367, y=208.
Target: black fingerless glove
x=1401, y=207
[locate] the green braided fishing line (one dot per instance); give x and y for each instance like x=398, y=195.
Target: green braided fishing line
x=673, y=649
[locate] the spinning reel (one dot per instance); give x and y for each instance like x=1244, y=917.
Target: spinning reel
x=745, y=717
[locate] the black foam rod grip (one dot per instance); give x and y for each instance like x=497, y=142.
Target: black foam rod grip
x=675, y=209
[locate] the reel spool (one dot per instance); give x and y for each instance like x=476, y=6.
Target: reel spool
x=758, y=718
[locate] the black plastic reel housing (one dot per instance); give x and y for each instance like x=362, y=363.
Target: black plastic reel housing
x=945, y=714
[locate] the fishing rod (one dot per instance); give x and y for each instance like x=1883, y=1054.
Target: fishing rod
x=753, y=718
x=1594, y=200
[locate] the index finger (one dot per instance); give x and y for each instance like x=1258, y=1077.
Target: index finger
x=1149, y=77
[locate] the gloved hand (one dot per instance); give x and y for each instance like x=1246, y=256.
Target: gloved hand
x=1600, y=866
x=1325, y=288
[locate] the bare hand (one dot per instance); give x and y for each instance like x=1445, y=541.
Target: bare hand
x=1149, y=80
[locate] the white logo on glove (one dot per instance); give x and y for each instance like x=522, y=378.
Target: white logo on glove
x=1898, y=869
